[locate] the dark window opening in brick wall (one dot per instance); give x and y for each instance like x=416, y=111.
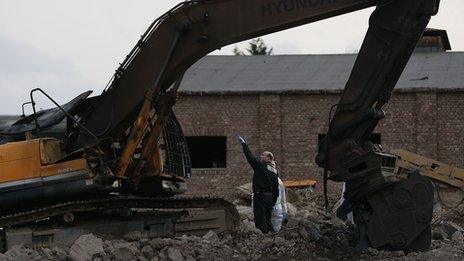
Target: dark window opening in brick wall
x=375, y=138
x=207, y=152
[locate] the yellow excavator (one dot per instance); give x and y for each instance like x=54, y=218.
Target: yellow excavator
x=127, y=142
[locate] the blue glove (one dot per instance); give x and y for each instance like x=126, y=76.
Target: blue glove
x=241, y=140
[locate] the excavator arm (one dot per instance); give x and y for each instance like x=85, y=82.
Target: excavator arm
x=377, y=195
x=395, y=28
x=391, y=212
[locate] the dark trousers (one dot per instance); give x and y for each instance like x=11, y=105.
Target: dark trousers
x=262, y=210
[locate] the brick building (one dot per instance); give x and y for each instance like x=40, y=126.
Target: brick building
x=281, y=104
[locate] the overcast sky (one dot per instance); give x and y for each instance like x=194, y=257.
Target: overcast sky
x=67, y=47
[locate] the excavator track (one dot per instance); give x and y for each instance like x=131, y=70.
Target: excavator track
x=109, y=217
x=121, y=202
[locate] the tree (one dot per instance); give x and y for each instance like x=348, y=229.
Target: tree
x=255, y=47
x=258, y=47
x=237, y=51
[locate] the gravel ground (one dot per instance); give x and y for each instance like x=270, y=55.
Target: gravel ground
x=311, y=234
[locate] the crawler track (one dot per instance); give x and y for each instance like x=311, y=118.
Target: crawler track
x=119, y=202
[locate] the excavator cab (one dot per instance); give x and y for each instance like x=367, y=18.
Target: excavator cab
x=44, y=123
x=37, y=171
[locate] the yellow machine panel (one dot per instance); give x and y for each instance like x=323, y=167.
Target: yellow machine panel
x=36, y=172
x=64, y=167
x=20, y=160
x=433, y=169
x=34, y=159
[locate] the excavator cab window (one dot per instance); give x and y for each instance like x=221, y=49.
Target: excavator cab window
x=51, y=150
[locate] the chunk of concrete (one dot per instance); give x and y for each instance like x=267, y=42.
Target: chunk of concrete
x=211, y=236
x=86, y=247
x=174, y=254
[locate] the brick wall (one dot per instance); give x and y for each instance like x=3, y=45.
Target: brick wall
x=450, y=128
x=429, y=123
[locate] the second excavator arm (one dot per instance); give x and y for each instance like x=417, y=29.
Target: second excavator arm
x=376, y=194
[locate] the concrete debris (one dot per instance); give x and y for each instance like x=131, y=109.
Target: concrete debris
x=439, y=234
x=19, y=252
x=245, y=212
x=457, y=237
x=148, y=252
x=311, y=233
x=124, y=250
x=86, y=247
x=292, y=211
x=211, y=236
x=59, y=253
x=174, y=254
x=243, y=192
x=450, y=228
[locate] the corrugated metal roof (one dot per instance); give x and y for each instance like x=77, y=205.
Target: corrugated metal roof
x=441, y=70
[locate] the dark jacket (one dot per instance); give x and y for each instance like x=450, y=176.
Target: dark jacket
x=264, y=180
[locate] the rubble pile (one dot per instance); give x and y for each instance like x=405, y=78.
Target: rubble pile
x=311, y=233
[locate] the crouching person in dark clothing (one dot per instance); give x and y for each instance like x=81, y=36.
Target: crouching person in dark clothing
x=265, y=187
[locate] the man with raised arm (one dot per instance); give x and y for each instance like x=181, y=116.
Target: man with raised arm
x=265, y=186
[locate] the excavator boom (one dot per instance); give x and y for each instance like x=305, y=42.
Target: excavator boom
x=185, y=34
